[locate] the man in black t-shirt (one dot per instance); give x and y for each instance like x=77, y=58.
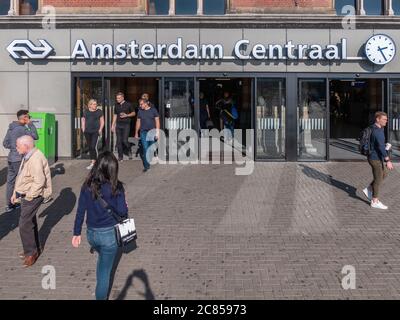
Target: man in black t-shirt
x=123, y=114
x=147, y=120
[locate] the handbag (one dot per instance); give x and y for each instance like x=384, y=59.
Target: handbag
x=125, y=229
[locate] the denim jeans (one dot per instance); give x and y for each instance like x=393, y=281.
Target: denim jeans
x=104, y=242
x=146, y=145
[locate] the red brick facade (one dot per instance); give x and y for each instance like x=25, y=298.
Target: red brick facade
x=97, y=6
x=234, y=6
x=281, y=6
x=92, y=3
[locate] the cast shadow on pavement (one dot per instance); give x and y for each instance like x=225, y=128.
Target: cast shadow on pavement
x=317, y=175
x=60, y=207
x=142, y=276
x=9, y=222
x=3, y=176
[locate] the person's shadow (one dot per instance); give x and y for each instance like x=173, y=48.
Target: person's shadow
x=127, y=249
x=317, y=175
x=60, y=207
x=3, y=176
x=9, y=222
x=142, y=276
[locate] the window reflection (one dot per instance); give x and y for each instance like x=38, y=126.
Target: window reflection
x=4, y=7
x=339, y=4
x=214, y=7
x=312, y=119
x=396, y=7
x=373, y=7
x=186, y=7
x=394, y=124
x=158, y=7
x=270, y=113
x=28, y=7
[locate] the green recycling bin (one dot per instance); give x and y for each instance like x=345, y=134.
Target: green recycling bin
x=45, y=124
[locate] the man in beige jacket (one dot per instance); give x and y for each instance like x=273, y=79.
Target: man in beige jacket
x=32, y=185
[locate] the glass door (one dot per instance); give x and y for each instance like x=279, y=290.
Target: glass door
x=86, y=89
x=271, y=118
x=394, y=118
x=312, y=123
x=178, y=104
x=108, y=136
x=353, y=103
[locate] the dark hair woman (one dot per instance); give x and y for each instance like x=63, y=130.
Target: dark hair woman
x=101, y=182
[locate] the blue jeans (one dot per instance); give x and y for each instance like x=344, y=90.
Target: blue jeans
x=146, y=145
x=104, y=242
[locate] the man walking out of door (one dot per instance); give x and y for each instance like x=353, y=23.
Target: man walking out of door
x=123, y=114
x=147, y=120
x=378, y=159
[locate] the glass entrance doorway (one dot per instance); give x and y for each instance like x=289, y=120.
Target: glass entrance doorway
x=311, y=123
x=297, y=117
x=217, y=95
x=104, y=90
x=353, y=104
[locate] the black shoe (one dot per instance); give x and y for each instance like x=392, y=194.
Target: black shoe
x=120, y=160
x=12, y=207
x=146, y=169
x=130, y=156
x=9, y=209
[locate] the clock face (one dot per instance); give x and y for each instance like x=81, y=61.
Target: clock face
x=380, y=49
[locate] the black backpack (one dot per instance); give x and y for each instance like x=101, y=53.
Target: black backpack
x=365, y=140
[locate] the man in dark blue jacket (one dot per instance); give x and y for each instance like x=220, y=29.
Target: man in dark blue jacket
x=22, y=127
x=378, y=159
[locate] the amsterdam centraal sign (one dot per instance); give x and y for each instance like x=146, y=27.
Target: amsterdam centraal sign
x=379, y=49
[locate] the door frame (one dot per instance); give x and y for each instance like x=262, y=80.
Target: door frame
x=338, y=76
x=162, y=76
x=291, y=83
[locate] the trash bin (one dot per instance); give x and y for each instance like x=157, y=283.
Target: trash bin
x=45, y=124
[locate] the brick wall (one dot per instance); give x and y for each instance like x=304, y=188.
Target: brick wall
x=281, y=6
x=236, y=6
x=92, y=3
x=97, y=6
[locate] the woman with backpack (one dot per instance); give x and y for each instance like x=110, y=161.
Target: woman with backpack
x=101, y=183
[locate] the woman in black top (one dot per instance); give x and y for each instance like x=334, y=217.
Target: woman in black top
x=92, y=128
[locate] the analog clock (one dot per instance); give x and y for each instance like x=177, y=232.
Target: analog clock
x=380, y=49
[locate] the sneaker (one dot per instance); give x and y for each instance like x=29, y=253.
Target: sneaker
x=378, y=205
x=90, y=167
x=368, y=193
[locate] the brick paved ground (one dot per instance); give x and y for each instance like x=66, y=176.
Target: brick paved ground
x=284, y=232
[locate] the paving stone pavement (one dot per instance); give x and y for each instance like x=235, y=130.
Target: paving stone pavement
x=284, y=232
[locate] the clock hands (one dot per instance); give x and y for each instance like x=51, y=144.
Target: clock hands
x=381, y=51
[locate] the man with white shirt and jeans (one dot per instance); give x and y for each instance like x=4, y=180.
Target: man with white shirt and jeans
x=378, y=159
